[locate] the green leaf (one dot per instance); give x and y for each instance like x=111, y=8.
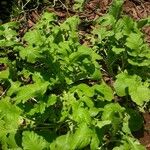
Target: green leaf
x=134, y=41
x=82, y=137
x=135, y=121
x=95, y=141
x=14, y=86
x=29, y=53
x=70, y=24
x=143, y=22
x=102, y=32
x=84, y=89
x=101, y=124
x=38, y=108
x=124, y=27
x=110, y=110
x=133, y=86
x=104, y=21
x=140, y=95
x=126, y=83
x=113, y=112
x=33, y=37
x=134, y=144
x=12, y=142
x=48, y=17
x=52, y=99
x=8, y=36
x=81, y=115
x=10, y=120
x=117, y=50
x=104, y=91
x=88, y=101
x=26, y=92
x=82, y=52
x=79, y=4
x=4, y=74
x=125, y=127
x=128, y=144
x=46, y=22
x=62, y=142
x=31, y=141
x=115, y=9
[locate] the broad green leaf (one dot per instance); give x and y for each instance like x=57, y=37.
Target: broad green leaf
x=94, y=111
x=114, y=113
x=133, y=86
x=11, y=24
x=70, y=24
x=110, y=110
x=129, y=144
x=82, y=137
x=115, y=9
x=84, y=90
x=4, y=74
x=80, y=114
x=14, y=87
x=106, y=20
x=102, y=33
x=82, y=52
x=135, y=121
x=126, y=83
x=26, y=92
x=124, y=27
x=38, y=108
x=125, y=127
x=117, y=50
x=104, y=91
x=30, y=53
x=95, y=141
x=46, y=22
x=134, y=144
x=143, y=22
x=32, y=141
x=10, y=118
x=140, y=95
x=97, y=74
x=33, y=37
x=48, y=17
x=101, y=124
x=8, y=34
x=52, y=99
x=88, y=101
x=79, y=4
x=134, y=41
x=12, y=142
x=62, y=142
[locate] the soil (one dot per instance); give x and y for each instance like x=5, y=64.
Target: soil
x=145, y=138
x=144, y=134
x=137, y=9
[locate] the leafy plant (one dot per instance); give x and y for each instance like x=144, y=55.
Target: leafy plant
x=54, y=95
x=79, y=4
x=120, y=41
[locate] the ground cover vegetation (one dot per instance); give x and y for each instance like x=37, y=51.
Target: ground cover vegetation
x=54, y=93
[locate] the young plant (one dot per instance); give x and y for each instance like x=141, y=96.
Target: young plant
x=53, y=95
